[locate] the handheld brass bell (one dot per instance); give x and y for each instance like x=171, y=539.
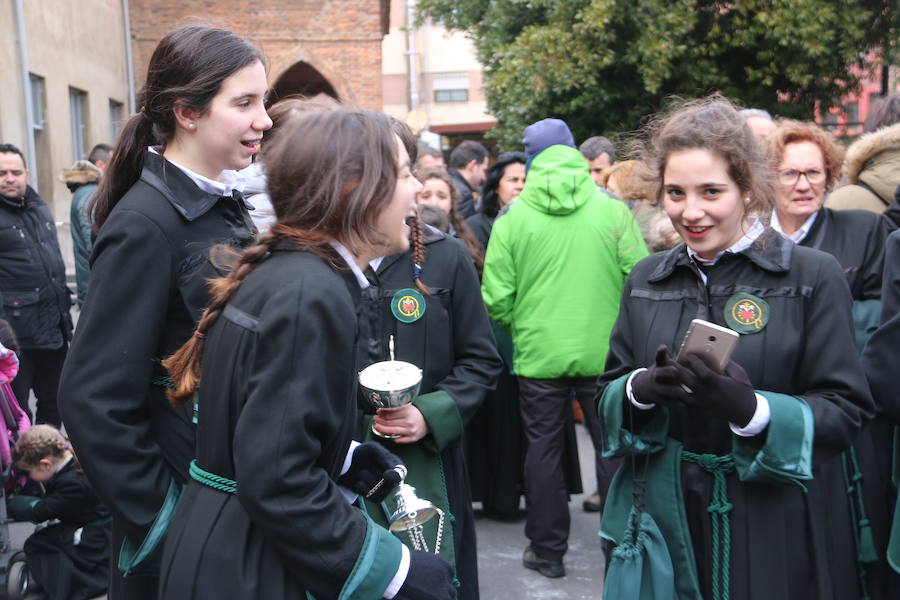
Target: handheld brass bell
x=412, y=513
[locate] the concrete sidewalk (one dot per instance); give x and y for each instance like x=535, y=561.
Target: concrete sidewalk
x=500, y=546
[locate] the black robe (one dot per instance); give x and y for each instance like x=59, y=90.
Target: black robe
x=453, y=345
x=69, y=558
x=856, y=238
x=277, y=410
x=150, y=270
x=784, y=543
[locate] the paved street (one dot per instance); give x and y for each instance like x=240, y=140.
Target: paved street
x=500, y=546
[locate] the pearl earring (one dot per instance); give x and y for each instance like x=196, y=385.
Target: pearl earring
x=191, y=125
x=747, y=200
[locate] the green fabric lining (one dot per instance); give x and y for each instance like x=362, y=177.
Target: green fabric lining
x=145, y=558
x=782, y=456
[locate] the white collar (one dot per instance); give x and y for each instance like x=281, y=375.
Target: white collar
x=742, y=244
x=799, y=235
x=351, y=262
x=229, y=180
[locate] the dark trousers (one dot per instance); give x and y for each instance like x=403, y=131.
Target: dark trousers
x=133, y=587
x=544, y=404
x=39, y=370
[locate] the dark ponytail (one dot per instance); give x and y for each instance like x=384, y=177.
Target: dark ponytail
x=187, y=69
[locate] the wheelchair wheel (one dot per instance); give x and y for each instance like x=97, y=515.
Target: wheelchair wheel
x=17, y=580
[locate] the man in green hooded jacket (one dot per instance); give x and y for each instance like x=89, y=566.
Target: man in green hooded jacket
x=553, y=275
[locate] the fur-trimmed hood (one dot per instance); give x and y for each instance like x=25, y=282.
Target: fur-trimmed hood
x=867, y=147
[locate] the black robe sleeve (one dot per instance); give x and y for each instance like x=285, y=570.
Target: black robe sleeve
x=477, y=363
x=301, y=392
x=879, y=357
x=831, y=381
x=105, y=396
x=69, y=498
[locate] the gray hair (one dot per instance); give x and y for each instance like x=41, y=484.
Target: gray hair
x=755, y=112
x=593, y=147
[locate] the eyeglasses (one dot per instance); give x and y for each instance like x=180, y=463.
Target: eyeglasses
x=790, y=177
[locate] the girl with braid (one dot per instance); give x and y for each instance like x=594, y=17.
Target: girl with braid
x=267, y=512
x=170, y=194
x=69, y=558
x=450, y=339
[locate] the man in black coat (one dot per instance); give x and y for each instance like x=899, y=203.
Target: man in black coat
x=36, y=300
x=468, y=166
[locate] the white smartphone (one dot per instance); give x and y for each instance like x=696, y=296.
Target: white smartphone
x=712, y=343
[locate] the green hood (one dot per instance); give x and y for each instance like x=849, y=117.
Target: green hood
x=558, y=181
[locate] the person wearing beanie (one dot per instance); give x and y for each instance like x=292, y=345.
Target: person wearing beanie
x=558, y=259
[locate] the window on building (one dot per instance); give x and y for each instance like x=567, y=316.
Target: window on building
x=451, y=87
x=78, y=116
x=116, y=112
x=37, y=101
x=830, y=120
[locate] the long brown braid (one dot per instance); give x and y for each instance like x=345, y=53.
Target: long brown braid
x=185, y=365
x=417, y=242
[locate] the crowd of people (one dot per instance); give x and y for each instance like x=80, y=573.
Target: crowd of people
x=238, y=264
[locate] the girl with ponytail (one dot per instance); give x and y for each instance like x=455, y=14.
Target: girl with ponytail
x=170, y=194
x=450, y=339
x=272, y=368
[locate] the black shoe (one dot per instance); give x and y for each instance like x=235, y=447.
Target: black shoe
x=545, y=566
x=592, y=503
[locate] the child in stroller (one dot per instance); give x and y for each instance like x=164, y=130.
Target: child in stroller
x=69, y=558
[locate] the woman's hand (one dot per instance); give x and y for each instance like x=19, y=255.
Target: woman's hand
x=728, y=396
x=405, y=421
x=661, y=382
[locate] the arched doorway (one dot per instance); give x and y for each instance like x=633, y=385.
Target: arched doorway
x=303, y=79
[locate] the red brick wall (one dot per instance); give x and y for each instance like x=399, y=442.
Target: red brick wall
x=339, y=38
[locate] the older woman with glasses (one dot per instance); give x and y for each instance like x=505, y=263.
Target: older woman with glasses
x=808, y=163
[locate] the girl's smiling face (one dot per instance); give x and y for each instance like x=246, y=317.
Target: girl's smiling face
x=436, y=193
x=704, y=203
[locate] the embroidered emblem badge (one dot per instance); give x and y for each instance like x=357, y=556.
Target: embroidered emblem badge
x=746, y=313
x=408, y=305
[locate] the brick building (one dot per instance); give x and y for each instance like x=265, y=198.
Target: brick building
x=313, y=46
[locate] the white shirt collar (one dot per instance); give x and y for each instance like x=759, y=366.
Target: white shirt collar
x=799, y=235
x=228, y=182
x=351, y=262
x=742, y=244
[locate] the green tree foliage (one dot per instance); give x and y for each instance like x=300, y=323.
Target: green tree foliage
x=603, y=65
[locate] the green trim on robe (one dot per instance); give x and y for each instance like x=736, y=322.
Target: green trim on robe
x=379, y=559
x=893, y=550
x=442, y=416
x=866, y=317
x=783, y=456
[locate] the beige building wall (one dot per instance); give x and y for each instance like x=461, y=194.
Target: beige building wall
x=438, y=52
x=71, y=44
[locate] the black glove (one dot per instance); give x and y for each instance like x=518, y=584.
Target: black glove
x=661, y=382
x=728, y=396
x=430, y=577
x=371, y=473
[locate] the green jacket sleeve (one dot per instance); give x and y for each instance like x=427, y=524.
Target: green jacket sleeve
x=498, y=283
x=784, y=455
